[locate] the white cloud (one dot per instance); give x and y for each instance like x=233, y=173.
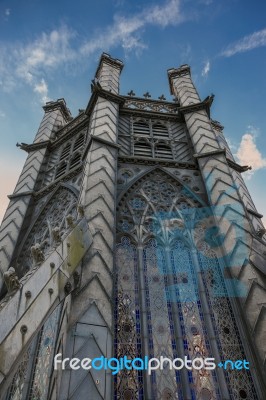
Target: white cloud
x=166, y=15
x=256, y=39
x=42, y=89
x=125, y=31
x=46, y=52
x=2, y=114
x=27, y=64
x=249, y=154
x=206, y=69
x=30, y=63
x=7, y=12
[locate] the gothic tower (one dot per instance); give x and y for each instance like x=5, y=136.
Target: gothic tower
x=131, y=233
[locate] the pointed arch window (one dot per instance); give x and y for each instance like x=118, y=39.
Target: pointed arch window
x=142, y=148
x=164, y=151
x=75, y=160
x=66, y=151
x=61, y=170
x=31, y=380
x=160, y=131
x=153, y=217
x=79, y=142
x=65, y=158
x=141, y=128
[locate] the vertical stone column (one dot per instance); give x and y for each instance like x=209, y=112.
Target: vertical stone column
x=94, y=303
x=231, y=217
x=56, y=114
x=108, y=73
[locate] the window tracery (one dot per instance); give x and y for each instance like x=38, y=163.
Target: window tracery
x=44, y=357
x=64, y=159
x=156, y=214
x=17, y=387
x=31, y=380
x=52, y=219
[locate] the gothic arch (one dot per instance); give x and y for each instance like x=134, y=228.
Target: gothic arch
x=163, y=305
x=153, y=197
x=153, y=169
x=49, y=225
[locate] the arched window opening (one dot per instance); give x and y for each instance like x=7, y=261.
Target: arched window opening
x=79, y=142
x=61, y=169
x=160, y=131
x=75, y=160
x=159, y=280
x=163, y=151
x=143, y=149
x=141, y=128
x=65, y=152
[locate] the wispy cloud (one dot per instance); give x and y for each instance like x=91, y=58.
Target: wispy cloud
x=32, y=62
x=249, y=154
x=249, y=42
x=42, y=89
x=206, y=69
x=2, y=114
x=7, y=12
x=27, y=64
x=46, y=52
x=126, y=31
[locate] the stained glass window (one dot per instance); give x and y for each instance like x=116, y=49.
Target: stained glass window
x=161, y=303
x=17, y=388
x=44, y=357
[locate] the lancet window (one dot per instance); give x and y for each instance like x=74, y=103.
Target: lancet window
x=62, y=160
x=31, y=380
x=70, y=156
x=151, y=139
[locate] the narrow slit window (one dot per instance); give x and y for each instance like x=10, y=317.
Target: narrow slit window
x=61, y=169
x=75, y=160
x=79, y=142
x=65, y=152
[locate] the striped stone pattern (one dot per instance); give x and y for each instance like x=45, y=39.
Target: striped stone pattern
x=98, y=198
x=93, y=307
x=247, y=200
x=239, y=181
x=51, y=122
x=232, y=219
x=124, y=138
x=223, y=143
x=109, y=77
x=17, y=208
x=182, y=149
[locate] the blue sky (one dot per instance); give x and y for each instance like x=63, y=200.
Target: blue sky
x=50, y=49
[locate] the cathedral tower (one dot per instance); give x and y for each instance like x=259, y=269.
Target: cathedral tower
x=131, y=233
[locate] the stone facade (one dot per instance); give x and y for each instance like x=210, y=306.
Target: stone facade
x=131, y=232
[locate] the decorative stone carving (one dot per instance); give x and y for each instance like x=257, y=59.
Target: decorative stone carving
x=76, y=277
x=70, y=221
x=11, y=280
x=37, y=253
x=261, y=232
x=80, y=211
x=56, y=234
x=68, y=287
